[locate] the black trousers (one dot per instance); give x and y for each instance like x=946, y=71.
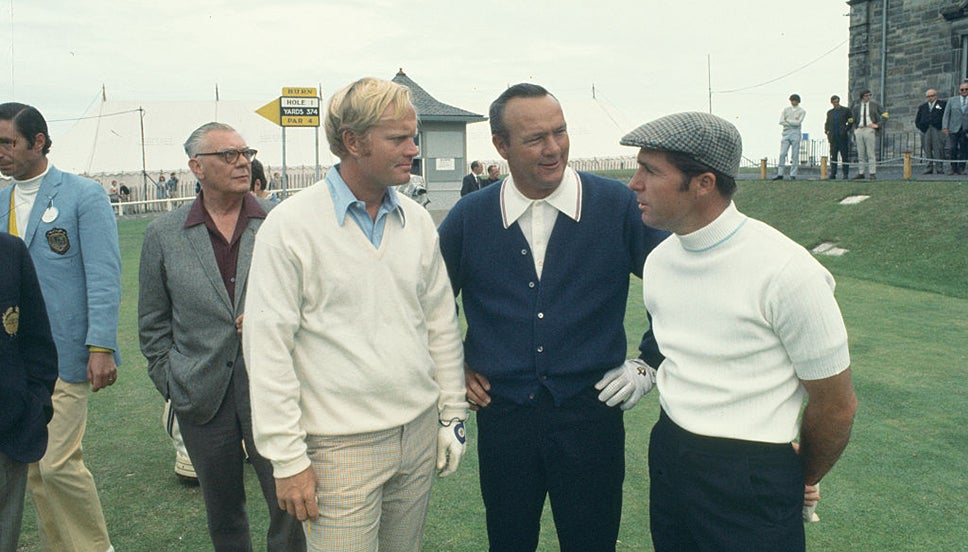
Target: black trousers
x=216, y=452
x=711, y=494
x=958, y=146
x=573, y=453
x=841, y=147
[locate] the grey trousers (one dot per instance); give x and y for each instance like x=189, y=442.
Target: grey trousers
x=216, y=452
x=13, y=486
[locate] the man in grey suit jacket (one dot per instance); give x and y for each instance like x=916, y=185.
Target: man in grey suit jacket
x=954, y=125
x=194, y=264
x=68, y=226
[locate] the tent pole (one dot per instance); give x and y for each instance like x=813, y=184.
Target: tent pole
x=144, y=165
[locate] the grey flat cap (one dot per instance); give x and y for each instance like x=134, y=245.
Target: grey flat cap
x=706, y=138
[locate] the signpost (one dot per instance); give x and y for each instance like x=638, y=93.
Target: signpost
x=297, y=107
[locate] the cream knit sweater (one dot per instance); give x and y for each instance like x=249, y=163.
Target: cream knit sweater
x=343, y=338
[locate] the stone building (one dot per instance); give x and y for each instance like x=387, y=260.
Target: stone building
x=900, y=48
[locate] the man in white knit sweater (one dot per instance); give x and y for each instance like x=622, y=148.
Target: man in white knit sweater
x=749, y=327
x=351, y=338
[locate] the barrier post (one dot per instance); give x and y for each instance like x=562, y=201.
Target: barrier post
x=763, y=169
x=823, y=167
x=907, y=165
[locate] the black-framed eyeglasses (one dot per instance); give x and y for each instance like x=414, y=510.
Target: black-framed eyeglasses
x=232, y=155
x=8, y=144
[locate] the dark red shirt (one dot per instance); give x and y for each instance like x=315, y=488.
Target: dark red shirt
x=226, y=252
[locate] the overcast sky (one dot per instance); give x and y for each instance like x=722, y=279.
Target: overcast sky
x=645, y=58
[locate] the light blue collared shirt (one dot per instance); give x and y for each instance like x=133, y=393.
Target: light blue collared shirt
x=346, y=203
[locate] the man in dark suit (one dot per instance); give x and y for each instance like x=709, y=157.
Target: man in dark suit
x=28, y=371
x=929, y=120
x=837, y=128
x=194, y=264
x=493, y=175
x=472, y=182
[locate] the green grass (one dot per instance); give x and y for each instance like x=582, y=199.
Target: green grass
x=900, y=486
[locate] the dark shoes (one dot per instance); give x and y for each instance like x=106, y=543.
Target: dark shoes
x=872, y=177
x=777, y=177
x=859, y=177
x=929, y=171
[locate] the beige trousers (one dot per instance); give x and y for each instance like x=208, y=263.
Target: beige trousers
x=63, y=489
x=373, y=488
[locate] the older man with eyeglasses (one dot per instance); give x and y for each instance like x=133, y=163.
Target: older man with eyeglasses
x=194, y=264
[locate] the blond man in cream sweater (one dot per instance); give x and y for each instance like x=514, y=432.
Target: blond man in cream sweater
x=351, y=338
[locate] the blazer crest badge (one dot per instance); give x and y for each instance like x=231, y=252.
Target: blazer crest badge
x=11, y=320
x=58, y=241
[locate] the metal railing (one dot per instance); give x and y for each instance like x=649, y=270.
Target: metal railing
x=891, y=149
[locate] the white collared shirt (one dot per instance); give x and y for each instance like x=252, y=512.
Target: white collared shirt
x=536, y=217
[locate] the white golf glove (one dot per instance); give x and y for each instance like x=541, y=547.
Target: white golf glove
x=451, y=443
x=626, y=384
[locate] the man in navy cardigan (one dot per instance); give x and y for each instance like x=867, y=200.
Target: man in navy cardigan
x=28, y=370
x=542, y=262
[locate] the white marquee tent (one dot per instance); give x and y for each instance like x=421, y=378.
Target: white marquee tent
x=108, y=138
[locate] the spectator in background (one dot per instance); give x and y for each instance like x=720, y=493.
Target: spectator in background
x=172, y=185
x=113, y=195
x=161, y=188
x=258, y=185
x=493, y=175
x=954, y=125
x=415, y=189
x=929, y=121
x=124, y=193
x=791, y=120
x=837, y=129
x=472, y=182
x=867, y=120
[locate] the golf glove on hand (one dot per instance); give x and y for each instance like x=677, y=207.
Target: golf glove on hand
x=451, y=443
x=626, y=384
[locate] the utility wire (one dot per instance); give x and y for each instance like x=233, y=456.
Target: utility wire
x=98, y=116
x=798, y=69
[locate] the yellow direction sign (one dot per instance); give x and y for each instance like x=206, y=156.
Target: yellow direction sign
x=271, y=111
x=301, y=111
x=299, y=92
x=298, y=107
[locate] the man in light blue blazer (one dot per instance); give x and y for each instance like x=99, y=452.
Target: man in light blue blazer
x=68, y=226
x=954, y=125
